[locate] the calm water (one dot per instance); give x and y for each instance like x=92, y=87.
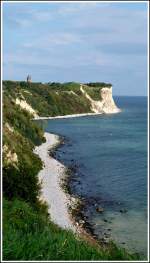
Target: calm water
x=111, y=154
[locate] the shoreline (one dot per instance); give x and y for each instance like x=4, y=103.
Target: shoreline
x=73, y=115
x=62, y=206
x=66, y=116
x=50, y=178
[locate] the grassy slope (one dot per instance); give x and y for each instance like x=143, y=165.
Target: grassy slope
x=28, y=234
x=51, y=99
x=94, y=93
x=94, y=88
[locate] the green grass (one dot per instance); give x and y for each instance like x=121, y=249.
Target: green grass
x=29, y=235
x=94, y=92
x=94, y=88
x=99, y=84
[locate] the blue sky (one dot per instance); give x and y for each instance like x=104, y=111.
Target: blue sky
x=82, y=42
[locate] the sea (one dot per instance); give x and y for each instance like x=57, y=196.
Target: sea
x=109, y=153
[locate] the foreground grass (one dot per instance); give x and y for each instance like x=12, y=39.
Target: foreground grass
x=29, y=235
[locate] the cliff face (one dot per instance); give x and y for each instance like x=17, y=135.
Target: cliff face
x=106, y=104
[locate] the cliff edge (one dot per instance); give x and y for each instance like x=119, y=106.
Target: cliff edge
x=105, y=104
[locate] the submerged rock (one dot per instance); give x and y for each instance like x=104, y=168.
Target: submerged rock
x=100, y=209
x=105, y=220
x=123, y=210
x=81, y=222
x=106, y=235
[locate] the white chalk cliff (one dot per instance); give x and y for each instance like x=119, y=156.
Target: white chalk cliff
x=106, y=104
x=24, y=105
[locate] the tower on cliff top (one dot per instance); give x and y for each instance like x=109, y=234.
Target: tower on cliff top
x=28, y=78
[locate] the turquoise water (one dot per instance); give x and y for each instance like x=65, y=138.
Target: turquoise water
x=110, y=156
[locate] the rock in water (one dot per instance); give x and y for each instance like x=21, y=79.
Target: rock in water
x=100, y=209
x=123, y=210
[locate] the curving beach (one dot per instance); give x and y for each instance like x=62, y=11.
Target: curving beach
x=50, y=177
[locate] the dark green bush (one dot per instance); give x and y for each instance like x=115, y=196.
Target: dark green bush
x=98, y=84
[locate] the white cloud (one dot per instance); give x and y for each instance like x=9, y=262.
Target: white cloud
x=52, y=40
x=63, y=39
x=84, y=37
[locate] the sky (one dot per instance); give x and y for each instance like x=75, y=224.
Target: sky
x=80, y=41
